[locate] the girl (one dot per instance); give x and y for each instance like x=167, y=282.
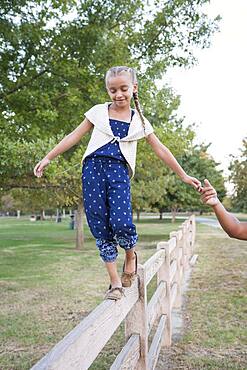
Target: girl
x=108, y=165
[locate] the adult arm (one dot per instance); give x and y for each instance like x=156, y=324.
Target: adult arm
x=232, y=226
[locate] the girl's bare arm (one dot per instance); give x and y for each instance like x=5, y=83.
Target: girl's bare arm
x=66, y=143
x=166, y=156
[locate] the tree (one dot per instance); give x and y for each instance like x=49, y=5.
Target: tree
x=59, y=186
x=54, y=55
x=52, y=64
x=238, y=168
x=153, y=179
x=199, y=163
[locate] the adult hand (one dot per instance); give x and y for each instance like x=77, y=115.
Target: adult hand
x=39, y=168
x=209, y=194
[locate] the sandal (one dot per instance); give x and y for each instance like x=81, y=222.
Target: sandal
x=114, y=293
x=127, y=278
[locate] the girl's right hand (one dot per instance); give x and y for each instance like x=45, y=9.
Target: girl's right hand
x=39, y=168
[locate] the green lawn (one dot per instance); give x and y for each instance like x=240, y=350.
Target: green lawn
x=215, y=335
x=47, y=287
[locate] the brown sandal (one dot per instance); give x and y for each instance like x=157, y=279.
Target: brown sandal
x=127, y=278
x=114, y=293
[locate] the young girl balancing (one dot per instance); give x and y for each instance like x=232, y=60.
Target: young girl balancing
x=108, y=165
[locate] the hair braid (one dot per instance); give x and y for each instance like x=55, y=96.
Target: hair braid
x=138, y=108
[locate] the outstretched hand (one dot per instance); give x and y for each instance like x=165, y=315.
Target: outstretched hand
x=192, y=181
x=209, y=194
x=39, y=168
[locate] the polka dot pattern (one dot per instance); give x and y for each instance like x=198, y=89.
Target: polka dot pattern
x=107, y=203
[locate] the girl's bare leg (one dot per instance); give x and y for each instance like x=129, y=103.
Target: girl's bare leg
x=130, y=261
x=113, y=274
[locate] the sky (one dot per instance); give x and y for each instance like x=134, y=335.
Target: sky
x=213, y=92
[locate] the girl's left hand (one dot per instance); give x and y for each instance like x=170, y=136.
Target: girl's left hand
x=193, y=182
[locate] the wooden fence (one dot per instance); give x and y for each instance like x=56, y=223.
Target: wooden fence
x=81, y=346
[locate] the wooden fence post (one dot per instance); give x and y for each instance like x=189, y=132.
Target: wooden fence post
x=187, y=245
x=164, y=275
x=178, y=256
x=136, y=321
x=192, y=222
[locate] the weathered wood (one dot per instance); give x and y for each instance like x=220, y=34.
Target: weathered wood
x=193, y=259
x=186, y=245
x=153, y=264
x=193, y=227
x=154, y=305
x=137, y=320
x=128, y=358
x=173, y=294
x=179, y=271
x=82, y=345
x=154, y=351
x=164, y=275
x=172, y=244
x=173, y=270
x=176, y=234
x=180, y=255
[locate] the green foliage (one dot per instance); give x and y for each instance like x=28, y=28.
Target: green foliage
x=200, y=164
x=154, y=180
x=238, y=168
x=54, y=55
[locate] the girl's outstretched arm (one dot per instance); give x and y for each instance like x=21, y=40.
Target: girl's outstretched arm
x=166, y=156
x=66, y=143
x=232, y=226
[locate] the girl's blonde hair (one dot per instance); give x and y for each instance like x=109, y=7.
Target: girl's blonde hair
x=116, y=71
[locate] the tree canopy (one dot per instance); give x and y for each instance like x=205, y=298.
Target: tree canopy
x=54, y=55
x=238, y=168
x=53, y=58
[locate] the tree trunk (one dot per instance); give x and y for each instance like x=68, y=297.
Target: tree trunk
x=79, y=226
x=174, y=215
x=138, y=215
x=161, y=215
x=42, y=214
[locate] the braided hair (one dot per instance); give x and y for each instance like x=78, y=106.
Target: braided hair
x=116, y=71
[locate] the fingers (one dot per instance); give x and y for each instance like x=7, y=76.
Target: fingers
x=207, y=183
x=199, y=188
x=208, y=187
x=206, y=198
x=38, y=170
x=208, y=192
x=196, y=183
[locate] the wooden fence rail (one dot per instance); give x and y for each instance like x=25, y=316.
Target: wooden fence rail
x=78, y=349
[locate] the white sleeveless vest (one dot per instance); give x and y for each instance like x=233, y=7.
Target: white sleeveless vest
x=102, y=134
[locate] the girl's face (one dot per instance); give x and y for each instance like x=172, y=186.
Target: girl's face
x=120, y=89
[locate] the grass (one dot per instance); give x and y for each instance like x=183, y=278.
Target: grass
x=47, y=287
x=215, y=310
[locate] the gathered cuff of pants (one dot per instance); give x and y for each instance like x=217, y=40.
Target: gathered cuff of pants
x=108, y=249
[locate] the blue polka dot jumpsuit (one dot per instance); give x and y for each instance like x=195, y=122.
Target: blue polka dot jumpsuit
x=107, y=198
